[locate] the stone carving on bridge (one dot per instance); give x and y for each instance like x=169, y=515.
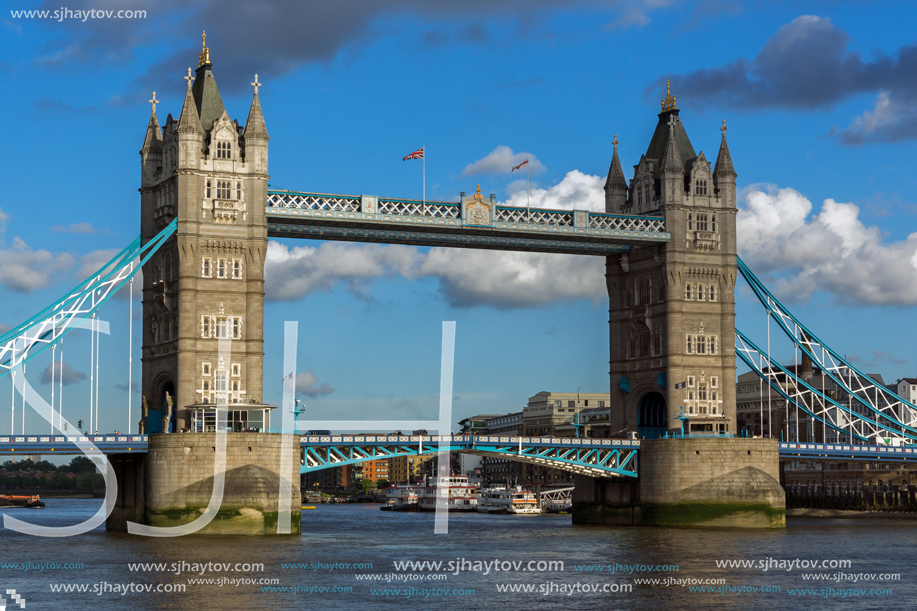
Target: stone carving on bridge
x=478, y=211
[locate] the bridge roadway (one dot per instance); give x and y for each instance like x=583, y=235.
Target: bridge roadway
x=474, y=223
x=595, y=457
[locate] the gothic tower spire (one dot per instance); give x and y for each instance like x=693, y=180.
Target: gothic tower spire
x=615, y=184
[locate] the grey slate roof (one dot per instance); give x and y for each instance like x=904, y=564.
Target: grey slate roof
x=207, y=97
x=656, y=149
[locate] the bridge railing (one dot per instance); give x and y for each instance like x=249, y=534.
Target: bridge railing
x=368, y=207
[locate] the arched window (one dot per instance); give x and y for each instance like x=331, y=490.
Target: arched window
x=688, y=291
x=712, y=292
x=239, y=191
x=207, y=190
x=224, y=150
x=643, y=292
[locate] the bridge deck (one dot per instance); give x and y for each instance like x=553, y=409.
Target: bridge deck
x=366, y=218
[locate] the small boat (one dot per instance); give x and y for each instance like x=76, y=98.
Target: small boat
x=501, y=500
x=401, y=498
x=457, y=492
x=28, y=502
x=308, y=506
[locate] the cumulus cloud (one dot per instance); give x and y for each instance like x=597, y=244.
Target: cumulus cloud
x=776, y=78
x=576, y=190
x=25, y=270
x=831, y=250
x=505, y=279
x=70, y=375
x=466, y=277
x=291, y=273
x=501, y=161
x=307, y=385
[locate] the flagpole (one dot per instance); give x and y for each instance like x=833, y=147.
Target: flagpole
x=424, y=173
x=528, y=190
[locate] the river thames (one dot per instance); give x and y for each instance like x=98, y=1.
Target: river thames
x=351, y=556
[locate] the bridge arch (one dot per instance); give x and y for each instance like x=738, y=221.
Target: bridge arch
x=651, y=415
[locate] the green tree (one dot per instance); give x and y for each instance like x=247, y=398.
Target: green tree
x=382, y=483
x=366, y=485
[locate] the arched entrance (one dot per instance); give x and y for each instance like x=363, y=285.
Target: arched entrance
x=652, y=421
x=158, y=409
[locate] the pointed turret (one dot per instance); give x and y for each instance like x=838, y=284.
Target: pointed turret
x=254, y=125
x=189, y=122
x=724, y=168
x=724, y=174
x=616, y=184
x=153, y=136
x=206, y=94
x=671, y=159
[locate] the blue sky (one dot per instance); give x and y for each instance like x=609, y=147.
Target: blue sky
x=819, y=98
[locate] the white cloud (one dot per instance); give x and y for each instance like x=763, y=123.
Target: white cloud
x=292, y=273
x=25, y=270
x=576, y=190
x=506, y=279
x=307, y=385
x=467, y=277
x=831, y=251
x=501, y=161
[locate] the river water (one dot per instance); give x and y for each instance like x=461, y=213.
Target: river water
x=602, y=568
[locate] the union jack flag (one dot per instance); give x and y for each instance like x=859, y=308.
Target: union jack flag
x=520, y=165
x=418, y=154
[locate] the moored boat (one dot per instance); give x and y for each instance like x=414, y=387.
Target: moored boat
x=456, y=491
x=499, y=499
x=28, y=502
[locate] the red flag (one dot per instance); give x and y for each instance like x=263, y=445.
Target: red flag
x=418, y=154
x=520, y=165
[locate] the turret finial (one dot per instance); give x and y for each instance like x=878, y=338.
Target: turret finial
x=256, y=84
x=204, y=56
x=669, y=102
x=189, y=78
x=154, y=102
x=615, y=143
x=724, y=128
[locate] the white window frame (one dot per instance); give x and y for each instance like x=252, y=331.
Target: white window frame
x=221, y=268
x=237, y=269
x=689, y=344
x=206, y=267
x=689, y=291
x=206, y=326
x=205, y=369
x=713, y=292
x=690, y=381
x=236, y=370
x=236, y=329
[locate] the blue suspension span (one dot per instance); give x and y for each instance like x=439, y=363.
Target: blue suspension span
x=900, y=415
x=30, y=338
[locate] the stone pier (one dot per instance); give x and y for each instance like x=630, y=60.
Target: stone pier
x=172, y=484
x=709, y=482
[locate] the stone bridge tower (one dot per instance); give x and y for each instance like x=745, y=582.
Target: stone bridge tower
x=207, y=281
x=671, y=306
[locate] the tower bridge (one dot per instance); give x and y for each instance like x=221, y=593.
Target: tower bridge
x=668, y=236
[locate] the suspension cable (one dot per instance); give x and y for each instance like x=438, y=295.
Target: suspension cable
x=53, y=365
x=92, y=347
x=98, y=354
x=130, y=352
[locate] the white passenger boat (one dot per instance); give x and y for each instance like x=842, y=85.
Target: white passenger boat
x=459, y=495
x=499, y=499
x=401, y=498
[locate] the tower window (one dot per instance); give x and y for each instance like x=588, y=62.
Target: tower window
x=657, y=345
x=205, y=326
x=688, y=295
x=713, y=221
x=644, y=292
x=205, y=369
x=207, y=190
x=701, y=344
x=206, y=267
x=239, y=191
x=700, y=187
x=221, y=268
x=701, y=292
x=237, y=269
x=712, y=292
x=224, y=189
x=236, y=370
x=690, y=222
x=702, y=392
x=702, y=222
x=224, y=150
x=237, y=327
x=689, y=344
